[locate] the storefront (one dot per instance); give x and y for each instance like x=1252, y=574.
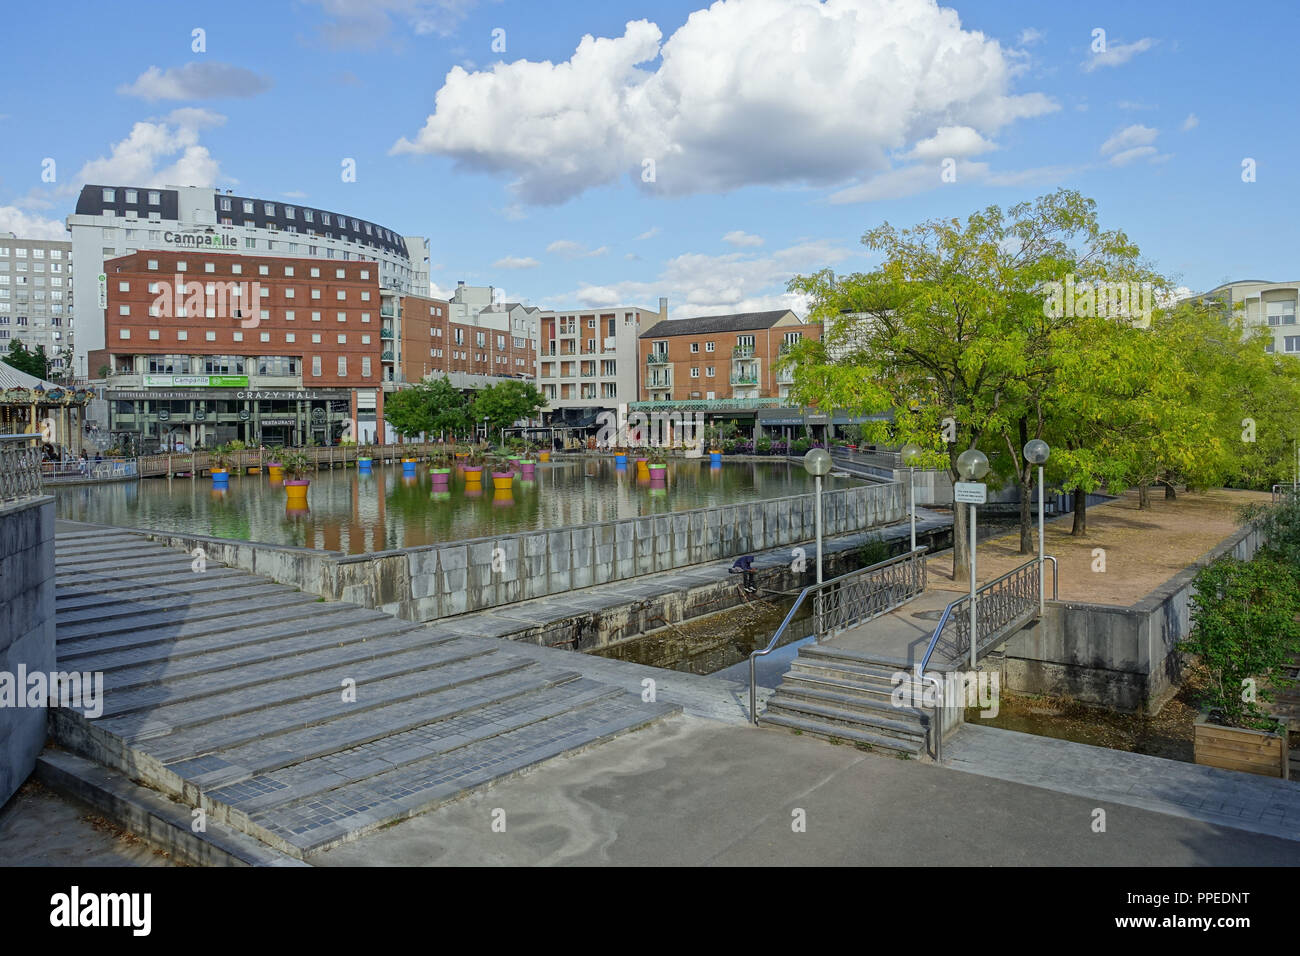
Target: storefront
x=171, y=419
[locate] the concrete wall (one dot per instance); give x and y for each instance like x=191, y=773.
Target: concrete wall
x=1119, y=657
x=26, y=627
x=427, y=583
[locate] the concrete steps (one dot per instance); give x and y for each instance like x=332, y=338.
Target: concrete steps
x=843, y=695
x=292, y=722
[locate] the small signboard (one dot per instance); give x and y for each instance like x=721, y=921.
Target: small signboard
x=970, y=492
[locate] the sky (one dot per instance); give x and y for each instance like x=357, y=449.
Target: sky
x=584, y=154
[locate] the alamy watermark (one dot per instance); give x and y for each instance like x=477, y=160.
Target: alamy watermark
x=81, y=690
x=1125, y=301
x=654, y=429
x=959, y=688
x=190, y=298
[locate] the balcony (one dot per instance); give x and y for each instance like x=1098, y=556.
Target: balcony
x=387, y=311
x=660, y=381
x=385, y=333
x=742, y=352
x=657, y=358
x=386, y=356
x=785, y=376
x=741, y=378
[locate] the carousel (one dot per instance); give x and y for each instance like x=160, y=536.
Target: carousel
x=32, y=406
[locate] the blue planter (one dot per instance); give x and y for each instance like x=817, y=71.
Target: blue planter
x=715, y=458
x=221, y=479
x=408, y=469
x=363, y=466
x=620, y=461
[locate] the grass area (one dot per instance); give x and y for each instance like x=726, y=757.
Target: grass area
x=1141, y=549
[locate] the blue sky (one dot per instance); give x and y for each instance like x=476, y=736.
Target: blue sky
x=780, y=130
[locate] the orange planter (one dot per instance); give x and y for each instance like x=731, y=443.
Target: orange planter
x=295, y=493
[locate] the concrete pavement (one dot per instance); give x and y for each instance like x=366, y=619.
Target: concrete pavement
x=694, y=792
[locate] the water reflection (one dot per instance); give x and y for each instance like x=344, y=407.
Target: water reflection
x=354, y=513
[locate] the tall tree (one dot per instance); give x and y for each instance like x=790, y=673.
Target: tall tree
x=506, y=402
x=953, y=333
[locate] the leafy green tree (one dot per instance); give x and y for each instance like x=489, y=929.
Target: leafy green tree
x=31, y=362
x=952, y=332
x=506, y=402
x=1244, y=629
x=428, y=408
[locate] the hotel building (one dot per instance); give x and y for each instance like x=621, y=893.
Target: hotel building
x=113, y=221
x=1264, y=305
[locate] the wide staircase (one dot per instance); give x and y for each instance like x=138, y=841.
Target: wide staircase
x=845, y=696
x=297, y=722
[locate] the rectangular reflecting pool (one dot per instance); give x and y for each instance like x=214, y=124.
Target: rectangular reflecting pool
x=356, y=513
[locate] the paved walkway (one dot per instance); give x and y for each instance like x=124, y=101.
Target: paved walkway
x=1239, y=800
x=690, y=792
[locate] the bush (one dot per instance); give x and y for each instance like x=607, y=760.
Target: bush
x=874, y=551
x=764, y=446
x=801, y=446
x=1244, y=635
x=1280, y=526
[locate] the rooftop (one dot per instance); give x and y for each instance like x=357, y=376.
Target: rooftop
x=709, y=324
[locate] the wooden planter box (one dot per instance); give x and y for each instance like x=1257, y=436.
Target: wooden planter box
x=1234, y=748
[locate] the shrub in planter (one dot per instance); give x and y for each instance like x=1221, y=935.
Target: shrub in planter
x=764, y=446
x=1244, y=635
x=800, y=446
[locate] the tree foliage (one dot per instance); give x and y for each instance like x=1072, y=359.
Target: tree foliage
x=506, y=402
x=428, y=408
x=31, y=362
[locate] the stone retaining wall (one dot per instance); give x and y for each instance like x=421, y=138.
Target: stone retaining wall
x=435, y=581
x=26, y=628
x=1120, y=657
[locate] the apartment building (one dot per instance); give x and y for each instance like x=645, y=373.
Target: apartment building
x=36, y=296
x=1264, y=305
x=210, y=347
x=719, y=357
x=587, y=360
x=472, y=350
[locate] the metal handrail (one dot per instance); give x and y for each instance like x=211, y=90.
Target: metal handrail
x=810, y=589
x=938, y=632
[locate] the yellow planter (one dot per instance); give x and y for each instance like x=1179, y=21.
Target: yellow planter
x=502, y=482
x=642, y=468
x=544, y=456
x=295, y=493
x=275, y=472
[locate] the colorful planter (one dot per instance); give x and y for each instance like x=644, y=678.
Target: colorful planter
x=408, y=467
x=502, y=499
x=254, y=470
x=658, y=474
x=502, y=480
x=295, y=492
x=620, y=461
x=275, y=471
x=473, y=474
x=528, y=468
x=220, y=478
x=643, y=467
x=715, y=458
x=365, y=466
x=440, y=477
x=544, y=456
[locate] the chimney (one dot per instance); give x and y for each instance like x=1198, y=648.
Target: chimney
x=663, y=308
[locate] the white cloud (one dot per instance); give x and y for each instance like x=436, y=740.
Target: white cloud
x=1191, y=122
x=197, y=81
x=911, y=180
x=1134, y=105
x=1029, y=36
x=698, y=284
x=515, y=262
x=951, y=141
x=1117, y=54
x=742, y=239
x=1132, y=143
x=364, y=23
x=26, y=226
x=294, y=194
x=136, y=159
x=649, y=233
x=859, y=79
x=574, y=250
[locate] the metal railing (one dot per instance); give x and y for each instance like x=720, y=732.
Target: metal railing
x=20, y=467
x=103, y=469
x=1284, y=491
x=999, y=604
x=848, y=600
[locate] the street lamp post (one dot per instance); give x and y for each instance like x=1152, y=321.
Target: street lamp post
x=818, y=463
x=972, y=465
x=910, y=453
x=1036, y=452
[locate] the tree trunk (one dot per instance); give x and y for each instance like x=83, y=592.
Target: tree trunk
x=1026, y=517
x=960, y=541
x=1170, y=493
x=1080, y=528
x=1144, y=497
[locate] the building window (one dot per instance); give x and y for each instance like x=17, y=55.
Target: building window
x=123, y=333
x=1291, y=343
x=1281, y=313
x=236, y=269
x=315, y=337
x=209, y=336
x=315, y=293
x=315, y=316
x=343, y=339
x=341, y=316
x=695, y=348
x=269, y=208
x=695, y=372
x=248, y=207
x=153, y=335
x=709, y=373
x=343, y=366
x=126, y=286
x=290, y=315
x=153, y=264
x=182, y=335
x=290, y=337
x=108, y=195
x=123, y=310
x=365, y=366
x=315, y=365
x=209, y=267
